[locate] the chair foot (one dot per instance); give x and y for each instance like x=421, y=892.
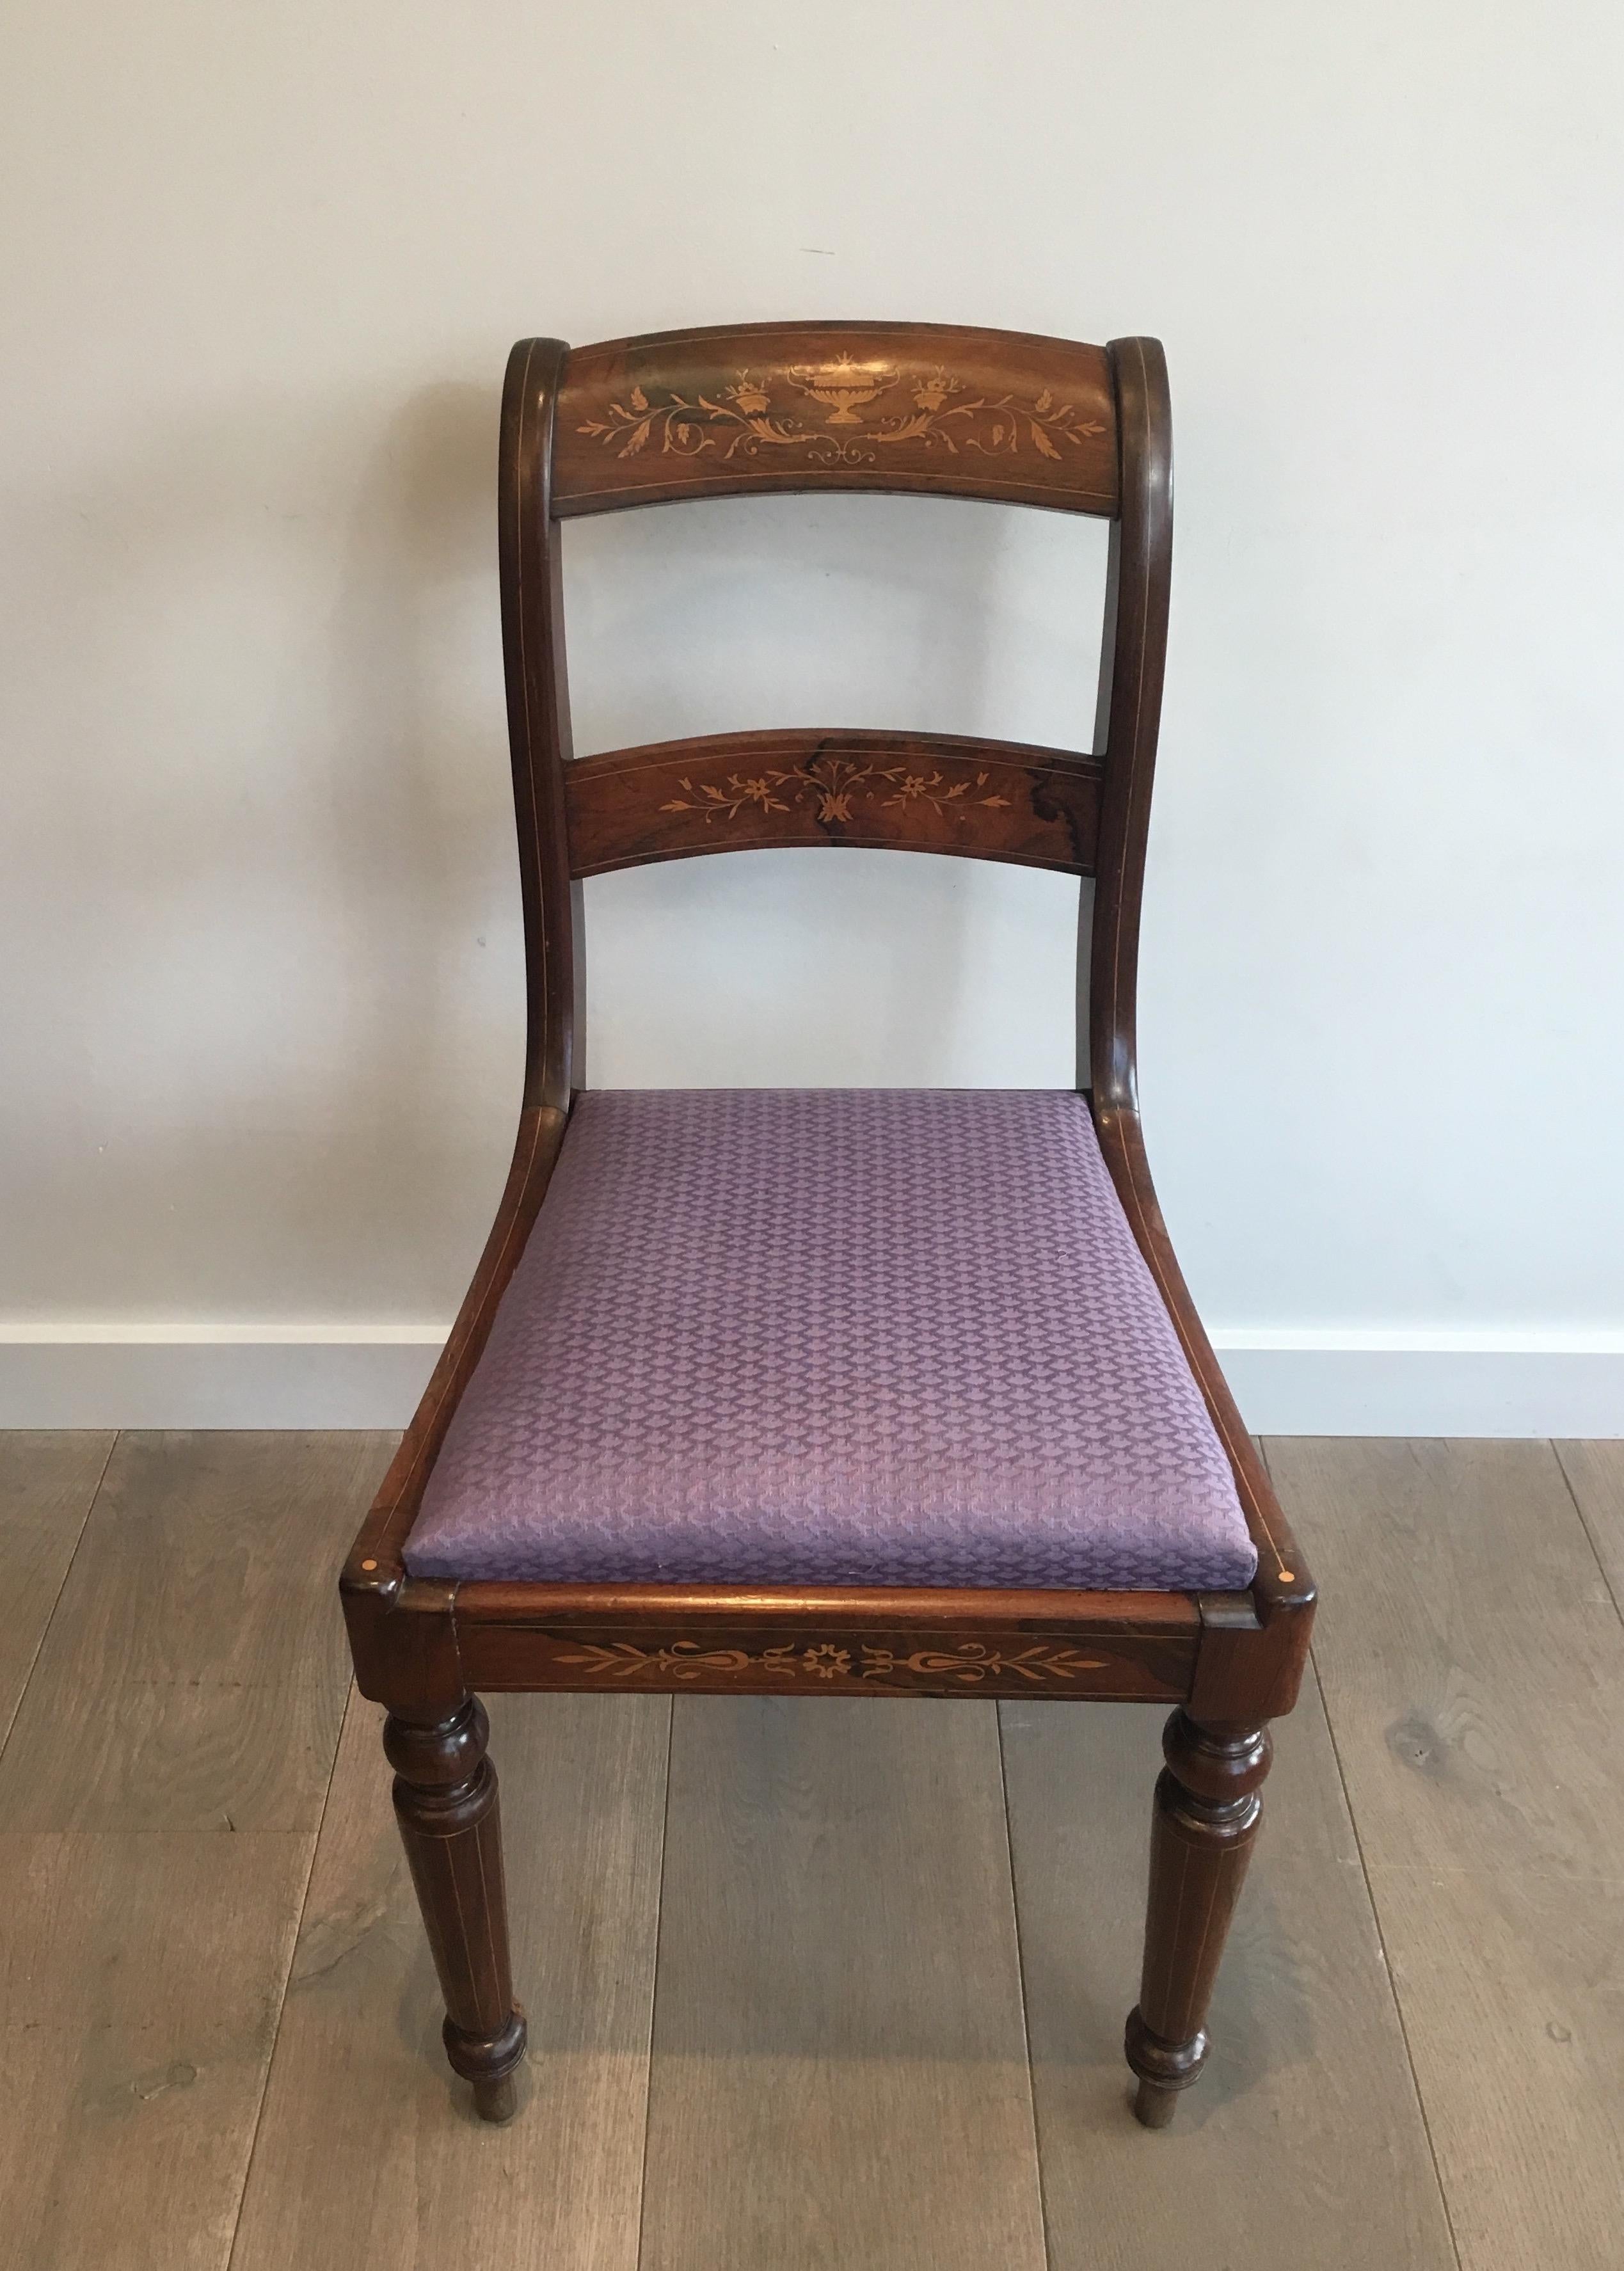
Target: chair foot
x=497, y=2101
x=1153, y=2106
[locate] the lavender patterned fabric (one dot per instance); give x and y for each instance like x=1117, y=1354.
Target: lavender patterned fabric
x=859, y=1337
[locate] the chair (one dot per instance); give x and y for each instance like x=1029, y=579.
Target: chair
x=826, y=1392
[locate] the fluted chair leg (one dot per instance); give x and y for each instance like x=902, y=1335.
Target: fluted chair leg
x=445, y=1802
x=1207, y=1813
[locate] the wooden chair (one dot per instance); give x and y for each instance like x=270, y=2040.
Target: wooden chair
x=861, y=1513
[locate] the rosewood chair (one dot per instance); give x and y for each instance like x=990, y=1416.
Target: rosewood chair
x=880, y=1393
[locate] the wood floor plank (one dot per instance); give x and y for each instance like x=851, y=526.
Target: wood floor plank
x=195, y=1672
x=1594, y=1473
x=1307, y=2102
x=368, y=2152
x=1512, y=1987
x=142, y=1979
x=1472, y=1661
x=48, y=1479
x=159, y=1796
x=1473, y=1669
x=839, y=2073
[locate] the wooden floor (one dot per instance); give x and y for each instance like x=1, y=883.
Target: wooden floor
x=819, y=1984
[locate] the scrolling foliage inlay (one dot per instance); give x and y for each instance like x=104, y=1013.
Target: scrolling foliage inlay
x=924, y=792
x=939, y=412
x=964, y=1664
x=938, y=408
x=830, y=783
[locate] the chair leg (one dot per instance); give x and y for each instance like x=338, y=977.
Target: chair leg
x=445, y=1802
x=1206, y=1816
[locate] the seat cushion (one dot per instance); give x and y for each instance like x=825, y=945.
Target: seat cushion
x=833, y=1336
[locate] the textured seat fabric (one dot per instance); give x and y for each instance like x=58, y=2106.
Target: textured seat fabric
x=860, y=1337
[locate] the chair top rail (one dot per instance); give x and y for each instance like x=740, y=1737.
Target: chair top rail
x=763, y=408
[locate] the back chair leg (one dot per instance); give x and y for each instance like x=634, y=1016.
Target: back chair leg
x=445, y=1802
x=1206, y=1816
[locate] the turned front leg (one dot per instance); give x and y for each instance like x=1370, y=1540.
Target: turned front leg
x=445, y=1802
x=1206, y=1817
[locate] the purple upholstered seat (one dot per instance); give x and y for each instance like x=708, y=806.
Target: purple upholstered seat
x=859, y=1337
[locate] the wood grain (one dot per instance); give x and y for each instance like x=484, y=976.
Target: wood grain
x=762, y=407
x=1306, y=2119
x=142, y=1979
x=945, y=793
x=839, y=2055
x=448, y=1803
x=634, y=1602
x=370, y=2153
x=825, y=1640
x=48, y=1479
x=839, y=2071
x=1244, y=1675
x=824, y=1659
x=1594, y=1473
x=536, y=664
x=194, y=1674
x=1474, y=1676
x=160, y=1792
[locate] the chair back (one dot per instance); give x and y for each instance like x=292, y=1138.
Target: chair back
x=766, y=408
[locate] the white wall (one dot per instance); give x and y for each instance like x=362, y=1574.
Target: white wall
x=261, y=271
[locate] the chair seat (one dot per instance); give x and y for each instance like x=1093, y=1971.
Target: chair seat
x=833, y=1336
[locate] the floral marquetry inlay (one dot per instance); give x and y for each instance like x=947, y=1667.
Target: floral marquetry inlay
x=831, y=785
x=879, y=408
x=970, y=1663
x=962, y=1663
x=926, y=792
x=943, y=409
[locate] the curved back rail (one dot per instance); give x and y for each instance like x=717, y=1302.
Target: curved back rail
x=767, y=407
x=900, y=792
